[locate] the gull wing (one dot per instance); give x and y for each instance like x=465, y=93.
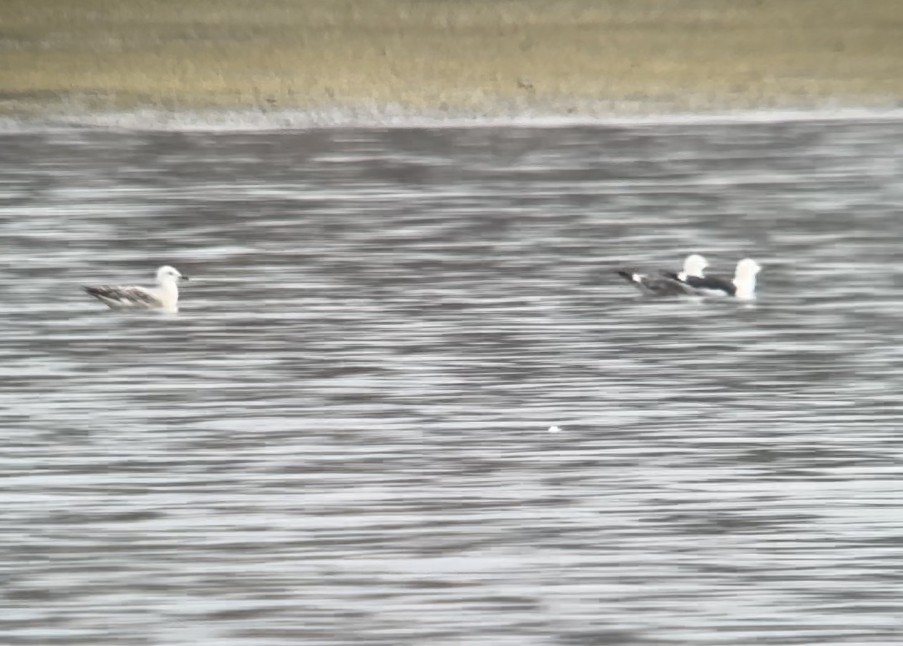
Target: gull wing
x=661, y=285
x=709, y=285
x=125, y=296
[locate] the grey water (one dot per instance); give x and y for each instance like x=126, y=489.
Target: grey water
x=343, y=435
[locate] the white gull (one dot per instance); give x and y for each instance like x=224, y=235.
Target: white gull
x=165, y=296
x=742, y=286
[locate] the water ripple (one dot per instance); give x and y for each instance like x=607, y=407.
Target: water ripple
x=342, y=437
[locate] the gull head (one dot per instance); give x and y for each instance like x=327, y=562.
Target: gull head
x=167, y=274
x=747, y=269
x=745, y=279
x=695, y=265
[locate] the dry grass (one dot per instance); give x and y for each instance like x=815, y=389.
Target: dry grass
x=64, y=56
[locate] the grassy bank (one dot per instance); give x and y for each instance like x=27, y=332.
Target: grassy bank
x=565, y=56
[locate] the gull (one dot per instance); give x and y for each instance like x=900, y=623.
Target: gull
x=742, y=286
x=165, y=296
x=667, y=283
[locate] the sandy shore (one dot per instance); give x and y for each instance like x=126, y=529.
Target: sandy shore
x=481, y=57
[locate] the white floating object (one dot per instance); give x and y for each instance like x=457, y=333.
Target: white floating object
x=554, y=429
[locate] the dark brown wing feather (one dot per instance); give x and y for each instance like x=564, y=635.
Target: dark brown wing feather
x=124, y=296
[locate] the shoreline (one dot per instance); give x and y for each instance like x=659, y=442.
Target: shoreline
x=296, y=120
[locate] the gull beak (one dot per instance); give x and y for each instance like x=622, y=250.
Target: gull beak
x=183, y=277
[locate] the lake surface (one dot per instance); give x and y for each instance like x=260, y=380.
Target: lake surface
x=342, y=437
